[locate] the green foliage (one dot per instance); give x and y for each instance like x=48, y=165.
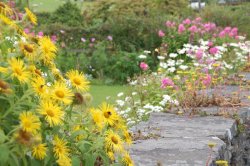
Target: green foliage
x=68, y=14
x=229, y=16
x=102, y=62
x=133, y=24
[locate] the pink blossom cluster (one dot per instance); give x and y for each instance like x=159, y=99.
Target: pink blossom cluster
x=228, y=31
x=196, y=26
x=39, y=34
x=167, y=82
x=144, y=66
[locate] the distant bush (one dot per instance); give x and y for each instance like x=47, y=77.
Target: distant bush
x=133, y=24
x=104, y=62
x=68, y=14
x=229, y=16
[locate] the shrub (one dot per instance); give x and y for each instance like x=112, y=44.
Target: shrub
x=229, y=16
x=119, y=18
x=68, y=14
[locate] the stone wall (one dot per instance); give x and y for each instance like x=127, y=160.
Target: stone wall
x=237, y=143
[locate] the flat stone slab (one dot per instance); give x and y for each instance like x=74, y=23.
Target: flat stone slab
x=174, y=140
x=181, y=140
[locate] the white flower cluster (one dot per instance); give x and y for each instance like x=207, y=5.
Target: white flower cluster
x=131, y=105
x=241, y=49
x=172, y=64
x=168, y=99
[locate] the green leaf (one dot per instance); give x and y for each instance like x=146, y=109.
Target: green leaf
x=4, y=155
x=90, y=159
x=76, y=161
x=84, y=146
x=35, y=162
x=3, y=137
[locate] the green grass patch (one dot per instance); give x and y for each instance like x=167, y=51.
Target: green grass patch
x=101, y=92
x=52, y=5
x=48, y=5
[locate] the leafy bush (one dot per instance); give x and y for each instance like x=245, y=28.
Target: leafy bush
x=133, y=24
x=68, y=14
x=104, y=62
x=229, y=16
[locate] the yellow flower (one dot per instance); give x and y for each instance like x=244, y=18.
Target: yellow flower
x=97, y=117
x=64, y=161
x=127, y=160
x=7, y=21
x=29, y=122
x=39, y=151
x=19, y=70
x=109, y=113
x=28, y=50
x=127, y=137
x=56, y=73
x=221, y=163
x=31, y=16
x=215, y=65
x=52, y=112
x=77, y=128
x=211, y=144
x=60, y=92
x=60, y=148
x=5, y=9
x=113, y=141
x=3, y=70
x=39, y=86
x=48, y=49
x=78, y=80
x=111, y=155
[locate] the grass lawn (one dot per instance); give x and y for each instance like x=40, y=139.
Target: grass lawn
x=100, y=92
x=51, y=5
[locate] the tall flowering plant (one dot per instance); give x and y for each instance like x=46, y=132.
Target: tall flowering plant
x=191, y=31
x=45, y=118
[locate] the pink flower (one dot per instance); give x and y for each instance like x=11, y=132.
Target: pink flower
x=83, y=39
x=170, y=24
x=227, y=29
x=222, y=34
x=234, y=31
x=181, y=28
x=198, y=19
x=40, y=34
x=207, y=80
x=20, y=16
x=213, y=50
x=209, y=26
x=210, y=44
x=231, y=34
x=27, y=30
x=166, y=82
x=32, y=34
x=54, y=38
x=110, y=38
x=143, y=66
x=161, y=33
x=193, y=29
x=92, y=39
x=187, y=21
x=199, y=54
